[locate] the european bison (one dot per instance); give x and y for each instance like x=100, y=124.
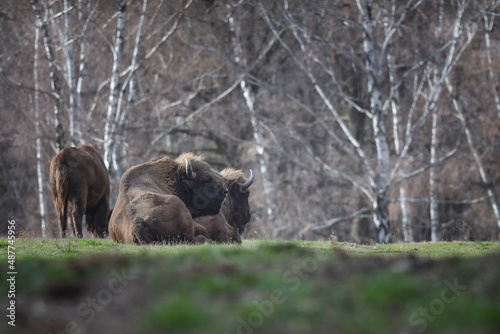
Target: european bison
x=159, y=199
x=80, y=184
x=230, y=222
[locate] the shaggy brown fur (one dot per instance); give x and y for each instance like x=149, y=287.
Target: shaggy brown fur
x=158, y=201
x=230, y=222
x=80, y=184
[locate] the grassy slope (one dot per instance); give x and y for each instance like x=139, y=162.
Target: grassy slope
x=259, y=287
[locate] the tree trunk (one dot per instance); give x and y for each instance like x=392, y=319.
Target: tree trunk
x=485, y=177
x=405, y=217
x=70, y=73
x=269, y=188
x=434, y=214
x=381, y=218
x=39, y=162
x=114, y=91
x=488, y=27
x=54, y=74
x=122, y=116
x=249, y=96
x=82, y=70
x=380, y=204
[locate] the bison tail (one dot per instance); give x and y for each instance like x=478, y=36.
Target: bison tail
x=60, y=191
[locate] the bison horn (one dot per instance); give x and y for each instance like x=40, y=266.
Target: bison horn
x=189, y=169
x=249, y=181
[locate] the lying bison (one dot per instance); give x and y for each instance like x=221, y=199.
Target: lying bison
x=80, y=185
x=230, y=222
x=159, y=199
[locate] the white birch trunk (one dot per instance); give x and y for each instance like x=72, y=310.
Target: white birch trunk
x=433, y=203
x=488, y=26
x=70, y=73
x=380, y=203
x=39, y=162
x=122, y=116
x=82, y=70
x=433, y=207
x=114, y=90
x=269, y=188
x=485, y=177
x=54, y=74
x=249, y=95
x=405, y=215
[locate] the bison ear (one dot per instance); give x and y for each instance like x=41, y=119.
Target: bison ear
x=189, y=170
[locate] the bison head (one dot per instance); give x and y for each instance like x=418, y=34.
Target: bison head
x=236, y=208
x=200, y=187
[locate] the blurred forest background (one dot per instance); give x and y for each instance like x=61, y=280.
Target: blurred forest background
x=366, y=121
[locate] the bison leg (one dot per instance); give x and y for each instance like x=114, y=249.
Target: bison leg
x=201, y=234
x=77, y=217
x=200, y=230
x=63, y=223
x=97, y=221
x=63, y=218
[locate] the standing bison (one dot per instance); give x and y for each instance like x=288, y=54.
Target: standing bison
x=230, y=222
x=80, y=184
x=159, y=199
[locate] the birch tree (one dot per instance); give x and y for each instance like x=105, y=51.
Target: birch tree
x=489, y=21
x=55, y=80
x=483, y=172
x=69, y=55
x=383, y=170
x=39, y=162
x=433, y=206
x=121, y=115
x=114, y=89
x=240, y=59
x=395, y=107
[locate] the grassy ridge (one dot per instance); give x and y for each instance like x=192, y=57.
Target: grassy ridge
x=97, y=286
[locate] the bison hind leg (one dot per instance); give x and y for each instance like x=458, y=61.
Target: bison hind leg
x=77, y=217
x=63, y=224
x=61, y=209
x=98, y=219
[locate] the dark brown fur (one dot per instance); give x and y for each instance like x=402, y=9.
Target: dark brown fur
x=158, y=201
x=230, y=222
x=80, y=184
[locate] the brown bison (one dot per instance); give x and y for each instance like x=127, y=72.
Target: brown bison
x=80, y=184
x=158, y=200
x=230, y=222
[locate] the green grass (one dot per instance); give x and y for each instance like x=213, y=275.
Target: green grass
x=71, y=247
x=258, y=287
